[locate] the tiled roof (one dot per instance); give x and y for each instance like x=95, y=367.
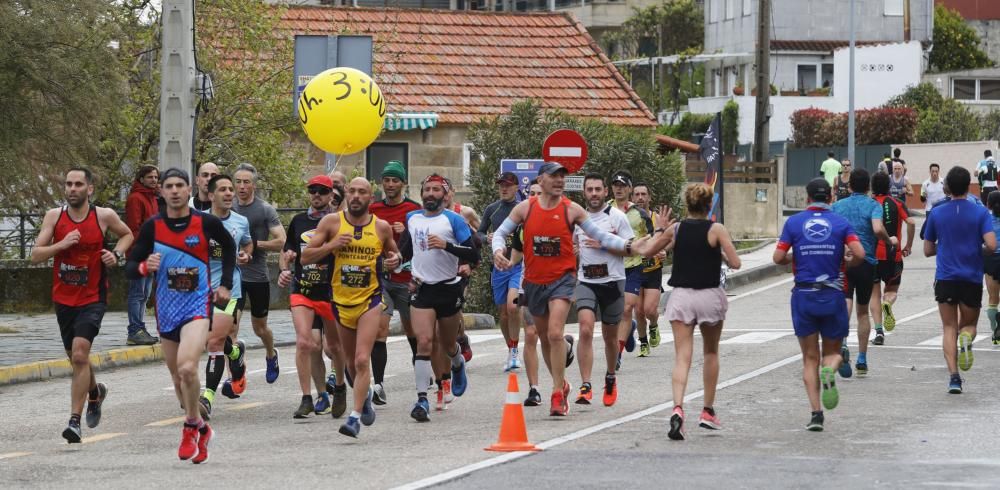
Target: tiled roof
x=825, y=46
x=466, y=65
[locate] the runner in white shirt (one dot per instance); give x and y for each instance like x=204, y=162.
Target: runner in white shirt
x=932, y=190
x=601, y=273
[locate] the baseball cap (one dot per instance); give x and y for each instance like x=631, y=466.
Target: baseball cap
x=551, y=168
x=322, y=180
x=818, y=189
x=622, y=177
x=507, y=178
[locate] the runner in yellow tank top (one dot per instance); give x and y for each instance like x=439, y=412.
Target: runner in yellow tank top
x=357, y=240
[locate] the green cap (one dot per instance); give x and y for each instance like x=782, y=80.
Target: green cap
x=394, y=168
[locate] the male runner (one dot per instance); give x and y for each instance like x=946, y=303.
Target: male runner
x=310, y=296
x=899, y=185
x=621, y=187
x=393, y=209
x=932, y=190
x=960, y=233
x=505, y=284
x=865, y=218
x=73, y=236
x=550, y=266
x=464, y=270
x=842, y=184
x=202, y=201
x=652, y=277
x=264, y=224
x=601, y=288
x=438, y=239
x=817, y=238
x=220, y=345
x=530, y=354
x=357, y=240
x=988, y=175
x=890, y=261
x=175, y=247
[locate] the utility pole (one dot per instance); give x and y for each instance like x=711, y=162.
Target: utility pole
x=177, y=86
x=850, y=95
x=761, y=136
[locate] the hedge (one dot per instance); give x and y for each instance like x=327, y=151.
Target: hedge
x=813, y=128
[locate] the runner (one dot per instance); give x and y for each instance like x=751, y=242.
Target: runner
x=865, y=217
x=175, y=247
x=842, y=184
x=439, y=238
x=357, y=240
x=73, y=236
x=698, y=298
x=899, y=185
x=220, y=344
x=310, y=296
x=505, y=284
x=396, y=290
x=264, y=224
x=464, y=270
x=890, y=260
x=621, y=186
x=550, y=267
x=817, y=239
x=339, y=180
x=932, y=190
x=986, y=170
x=830, y=167
x=959, y=233
x=530, y=354
x=652, y=276
x=202, y=201
x=601, y=288
x=991, y=266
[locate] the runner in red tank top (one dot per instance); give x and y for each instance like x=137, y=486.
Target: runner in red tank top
x=550, y=265
x=73, y=236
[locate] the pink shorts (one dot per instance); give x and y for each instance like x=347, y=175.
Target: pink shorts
x=697, y=306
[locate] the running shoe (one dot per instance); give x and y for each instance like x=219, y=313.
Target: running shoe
x=351, y=427
x=205, y=407
x=630, y=341
x=378, y=394
x=828, y=380
x=189, y=442
x=954, y=385
x=879, y=338
x=94, y=406
x=368, y=411
x=515, y=360
x=586, y=394
x=446, y=388
x=331, y=382
x=272, y=368
x=229, y=388
x=305, y=408
x=995, y=320
x=569, y=350
x=845, y=363
x=709, y=420
x=440, y=400
x=339, y=404
x=677, y=425
x=72, y=433
x=559, y=406
x=463, y=342
x=459, y=382
x=654, y=335
x=238, y=367
x=964, y=351
x=816, y=422
x=205, y=436
x=888, y=319
x=610, y=390
x=322, y=404
x=421, y=410
x=643, y=350
x=862, y=369
x=534, y=398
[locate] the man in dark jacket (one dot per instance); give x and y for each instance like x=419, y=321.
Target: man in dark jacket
x=140, y=205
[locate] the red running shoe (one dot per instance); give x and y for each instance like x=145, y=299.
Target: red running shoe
x=610, y=390
x=463, y=342
x=204, y=439
x=189, y=442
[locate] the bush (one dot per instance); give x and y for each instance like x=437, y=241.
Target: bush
x=991, y=125
x=690, y=125
x=920, y=98
x=806, y=126
x=952, y=121
x=815, y=128
x=730, y=127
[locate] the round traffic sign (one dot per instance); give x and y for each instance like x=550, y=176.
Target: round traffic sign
x=567, y=148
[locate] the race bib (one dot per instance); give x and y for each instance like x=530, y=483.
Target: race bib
x=355, y=276
x=182, y=279
x=214, y=250
x=546, y=246
x=313, y=275
x=595, y=271
x=73, y=275
x=648, y=263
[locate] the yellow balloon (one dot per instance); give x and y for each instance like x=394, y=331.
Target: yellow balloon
x=342, y=110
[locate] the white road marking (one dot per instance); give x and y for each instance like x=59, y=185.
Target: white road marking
x=755, y=337
x=102, y=437
x=166, y=422
x=14, y=455
x=933, y=341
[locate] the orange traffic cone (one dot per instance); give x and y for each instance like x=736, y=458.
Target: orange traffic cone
x=513, y=433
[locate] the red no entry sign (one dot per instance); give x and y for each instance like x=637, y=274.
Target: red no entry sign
x=567, y=148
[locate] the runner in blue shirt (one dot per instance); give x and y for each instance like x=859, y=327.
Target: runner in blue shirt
x=817, y=238
x=959, y=233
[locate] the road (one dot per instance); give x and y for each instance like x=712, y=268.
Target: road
x=896, y=428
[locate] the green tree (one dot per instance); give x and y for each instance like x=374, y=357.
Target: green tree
x=920, y=97
x=950, y=122
x=956, y=45
x=730, y=127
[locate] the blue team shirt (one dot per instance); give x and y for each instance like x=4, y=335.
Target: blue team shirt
x=958, y=226
x=817, y=238
x=860, y=210
x=239, y=227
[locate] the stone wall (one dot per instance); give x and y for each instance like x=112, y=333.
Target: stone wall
x=752, y=210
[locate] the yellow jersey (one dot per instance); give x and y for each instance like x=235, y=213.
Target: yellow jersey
x=653, y=264
x=356, y=275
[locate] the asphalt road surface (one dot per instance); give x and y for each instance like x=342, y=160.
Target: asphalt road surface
x=896, y=428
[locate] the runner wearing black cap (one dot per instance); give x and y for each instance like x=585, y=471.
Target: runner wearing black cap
x=505, y=283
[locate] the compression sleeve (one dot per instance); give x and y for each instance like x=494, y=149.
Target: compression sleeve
x=141, y=248
x=594, y=231
x=468, y=251
x=500, y=236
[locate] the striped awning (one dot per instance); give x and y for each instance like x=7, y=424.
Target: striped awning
x=405, y=121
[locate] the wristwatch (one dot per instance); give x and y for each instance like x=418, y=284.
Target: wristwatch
x=120, y=257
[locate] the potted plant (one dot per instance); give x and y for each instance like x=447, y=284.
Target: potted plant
x=738, y=89
x=819, y=92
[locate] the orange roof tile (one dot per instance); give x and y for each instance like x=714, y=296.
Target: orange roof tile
x=467, y=65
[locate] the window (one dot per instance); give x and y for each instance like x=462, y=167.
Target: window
x=468, y=154
x=893, y=8
x=730, y=8
x=747, y=7
x=806, y=77
x=826, y=77
x=989, y=90
x=963, y=89
x=378, y=154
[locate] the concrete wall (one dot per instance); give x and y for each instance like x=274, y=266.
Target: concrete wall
x=738, y=34
x=989, y=35
x=943, y=83
x=746, y=217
